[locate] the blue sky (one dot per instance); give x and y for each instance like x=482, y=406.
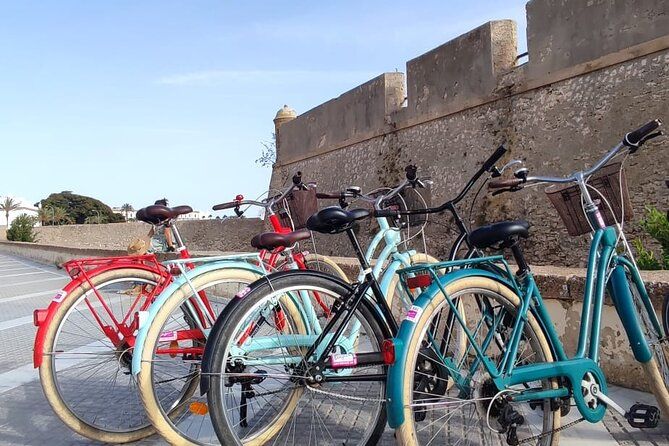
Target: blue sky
x=130, y=101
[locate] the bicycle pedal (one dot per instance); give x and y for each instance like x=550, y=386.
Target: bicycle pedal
x=643, y=416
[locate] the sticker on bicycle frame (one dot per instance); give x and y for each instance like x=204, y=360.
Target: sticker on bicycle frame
x=60, y=295
x=243, y=292
x=414, y=313
x=168, y=336
x=339, y=360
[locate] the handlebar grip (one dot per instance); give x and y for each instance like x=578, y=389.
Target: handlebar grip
x=632, y=139
x=490, y=162
x=380, y=213
x=502, y=184
x=229, y=205
x=411, y=172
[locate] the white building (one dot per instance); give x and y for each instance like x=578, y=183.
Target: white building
x=130, y=216
x=25, y=207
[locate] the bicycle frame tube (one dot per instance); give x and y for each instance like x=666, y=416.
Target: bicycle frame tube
x=212, y=263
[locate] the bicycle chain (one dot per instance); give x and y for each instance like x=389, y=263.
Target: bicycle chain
x=551, y=432
x=345, y=397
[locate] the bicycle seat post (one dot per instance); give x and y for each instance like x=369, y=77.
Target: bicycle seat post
x=177, y=236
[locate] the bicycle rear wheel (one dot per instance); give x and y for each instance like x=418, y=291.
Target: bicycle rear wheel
x=172, y=351
x=265, y=391
x=440, y=410
x=85, y=373
x=657, y=369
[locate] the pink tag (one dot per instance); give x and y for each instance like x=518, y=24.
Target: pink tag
x=168, y=336
x=414, y=313
x=339, y=360
x=60, y=295
x=243, y=292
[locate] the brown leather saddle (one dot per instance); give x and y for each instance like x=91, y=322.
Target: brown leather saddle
x=273, y=240
x=157, y=214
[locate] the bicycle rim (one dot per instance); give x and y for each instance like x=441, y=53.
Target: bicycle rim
x=86, y=374
x=440, y=411
x=288, y=407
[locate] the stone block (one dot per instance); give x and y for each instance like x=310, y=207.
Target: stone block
x=355, y=115
x=564, y=33
x=462, y=70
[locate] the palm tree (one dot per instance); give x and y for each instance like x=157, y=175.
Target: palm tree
x=127, y=207
x=60, y=215
x=9, y=205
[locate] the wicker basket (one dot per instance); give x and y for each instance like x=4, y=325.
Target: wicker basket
x=302, y=204
x=567, y=199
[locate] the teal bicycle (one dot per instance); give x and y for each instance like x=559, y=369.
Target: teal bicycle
x=514, y=382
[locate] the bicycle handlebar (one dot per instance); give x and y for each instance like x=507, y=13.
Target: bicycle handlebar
x=632, y=140
x=496, y=156
x=268, y=203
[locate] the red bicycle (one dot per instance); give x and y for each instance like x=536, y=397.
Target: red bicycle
x=85, y=338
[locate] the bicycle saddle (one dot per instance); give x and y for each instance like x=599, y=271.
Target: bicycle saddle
x=333, y=219
x=273, y=240
x=157, y=214
x=491, y=234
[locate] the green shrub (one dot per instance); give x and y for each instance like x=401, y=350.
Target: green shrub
x=657, y=226
x=21, y=229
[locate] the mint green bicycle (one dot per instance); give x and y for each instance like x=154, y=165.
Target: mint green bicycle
x=514, y=382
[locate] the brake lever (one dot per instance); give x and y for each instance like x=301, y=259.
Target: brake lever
x=507, y=189
x=238, y=211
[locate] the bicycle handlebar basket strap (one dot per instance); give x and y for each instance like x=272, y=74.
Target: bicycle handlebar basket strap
x=302, y=204
x=567, y=199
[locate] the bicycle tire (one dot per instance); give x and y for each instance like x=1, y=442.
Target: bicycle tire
x=407, y=434
x=162, y=421
x=49, y=381
x=236, y=318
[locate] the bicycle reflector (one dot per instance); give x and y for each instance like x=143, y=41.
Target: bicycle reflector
x=419, y=281
x=39, y=316
x=388, y=351
x=198, y=408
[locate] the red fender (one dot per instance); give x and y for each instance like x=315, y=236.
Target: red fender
x=44, y=316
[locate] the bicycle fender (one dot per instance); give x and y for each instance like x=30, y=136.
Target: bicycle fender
x=619, y=289
x=62, y=295
x=176, y=284
x=396, y=377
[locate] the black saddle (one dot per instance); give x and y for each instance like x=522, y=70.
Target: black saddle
x=157, y=214
x=273, y=240
x=333, y=219
x=490, y=235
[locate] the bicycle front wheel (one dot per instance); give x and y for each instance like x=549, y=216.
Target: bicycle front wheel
x=449, y=396
x=85, y=373
x=172, y=353
x=266, y=390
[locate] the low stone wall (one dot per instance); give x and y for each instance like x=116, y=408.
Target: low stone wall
x=231, y=234
x=561, y=288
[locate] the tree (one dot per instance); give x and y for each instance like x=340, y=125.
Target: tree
x=78, y=208
x=8, y=205
x=96, y=219
x=268, y=153
x=21, y=229
x=127, y=207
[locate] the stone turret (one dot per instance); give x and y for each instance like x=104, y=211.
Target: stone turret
x=284, y=115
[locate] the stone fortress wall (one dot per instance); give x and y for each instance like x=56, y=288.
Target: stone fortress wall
x=596, y=70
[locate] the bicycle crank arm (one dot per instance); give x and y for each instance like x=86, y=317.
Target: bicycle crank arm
x=597, y=393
